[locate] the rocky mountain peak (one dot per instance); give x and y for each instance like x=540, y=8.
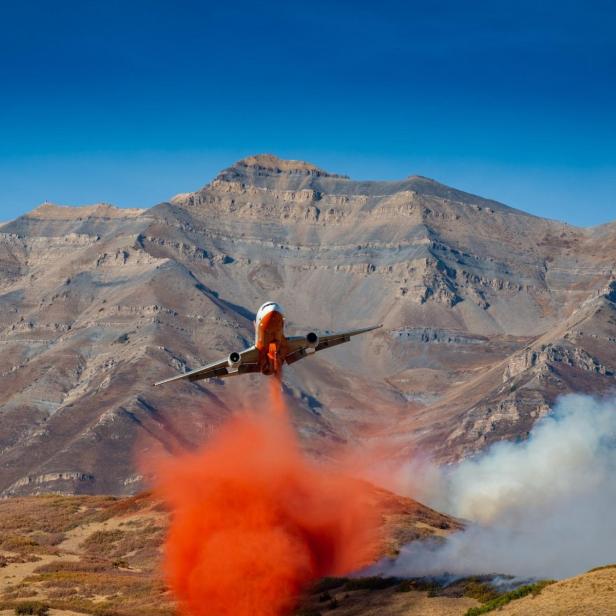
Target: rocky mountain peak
x=272, y=182
x=269, y=166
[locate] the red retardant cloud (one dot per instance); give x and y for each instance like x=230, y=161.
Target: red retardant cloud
x=253, y=521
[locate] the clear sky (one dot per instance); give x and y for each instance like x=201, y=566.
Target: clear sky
x=131, y=102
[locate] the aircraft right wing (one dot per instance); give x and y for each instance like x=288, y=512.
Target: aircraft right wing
x=220, y=369
x=299, y=347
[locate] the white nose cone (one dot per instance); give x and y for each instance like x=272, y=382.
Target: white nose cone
x=267, y=308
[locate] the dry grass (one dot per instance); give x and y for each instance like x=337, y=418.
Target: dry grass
x=97, y=555
x=101, y=556
x=589, y=594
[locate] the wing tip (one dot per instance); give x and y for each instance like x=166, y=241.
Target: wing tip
x=173, y=378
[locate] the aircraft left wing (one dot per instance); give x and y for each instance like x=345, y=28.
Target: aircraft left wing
x=299, y=347
x=220, y=369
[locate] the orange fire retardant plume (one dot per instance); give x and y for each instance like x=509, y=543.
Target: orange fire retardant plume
x=253, y=521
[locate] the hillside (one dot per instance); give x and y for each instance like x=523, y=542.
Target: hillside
x=583, y=595
x=489, y=314
x=586, y=594
x=102, y=555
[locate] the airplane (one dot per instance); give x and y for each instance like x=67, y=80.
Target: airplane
x=271, y=350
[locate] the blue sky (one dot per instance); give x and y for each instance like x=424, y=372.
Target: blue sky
x=132, y=102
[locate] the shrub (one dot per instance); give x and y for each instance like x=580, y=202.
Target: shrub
x=102, y=541
x=329, y=583
x=105, y=611
x=17, y=543
x=371, y=583
x=483, y=592
x=80, y=566
x=502, y=600
x=48, y=539
x=419, y=584
x=32, y=607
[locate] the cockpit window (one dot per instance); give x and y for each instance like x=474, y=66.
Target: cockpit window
x=269, y=305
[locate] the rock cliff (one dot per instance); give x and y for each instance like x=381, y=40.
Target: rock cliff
x=489, y=314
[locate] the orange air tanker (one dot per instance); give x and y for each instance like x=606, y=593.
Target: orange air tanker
x=271, y=350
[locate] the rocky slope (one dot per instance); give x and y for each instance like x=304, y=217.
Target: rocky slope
x=489, y=313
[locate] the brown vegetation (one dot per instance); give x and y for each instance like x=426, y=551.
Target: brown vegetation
x=102, y=555
x=93, y=555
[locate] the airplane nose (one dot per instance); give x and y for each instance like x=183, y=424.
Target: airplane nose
x=272, y=319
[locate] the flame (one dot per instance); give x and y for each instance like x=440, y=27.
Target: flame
x=254, y=521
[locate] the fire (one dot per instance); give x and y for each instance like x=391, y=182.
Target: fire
x=254, y=521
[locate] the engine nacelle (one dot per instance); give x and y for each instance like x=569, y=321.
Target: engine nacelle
x=234, y=359
x=312, y=340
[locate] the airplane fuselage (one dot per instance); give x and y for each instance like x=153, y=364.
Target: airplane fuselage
x=270, y=340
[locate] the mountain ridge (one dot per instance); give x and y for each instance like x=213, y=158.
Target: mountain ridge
x=273, y=165
x=485, y=315
x=258, y=170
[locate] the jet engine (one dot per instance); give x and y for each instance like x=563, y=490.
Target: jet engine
x=234, y=359
x=312, y=340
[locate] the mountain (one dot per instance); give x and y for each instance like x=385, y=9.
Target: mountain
x=489, y=314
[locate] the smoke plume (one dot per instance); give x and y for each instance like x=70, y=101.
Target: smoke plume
x=253, y=521
x=543, y=507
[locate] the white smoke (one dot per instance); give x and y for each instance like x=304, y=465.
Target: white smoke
x=544, y=507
